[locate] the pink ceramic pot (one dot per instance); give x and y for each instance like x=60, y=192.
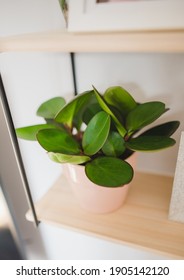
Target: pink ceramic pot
x=92, y=197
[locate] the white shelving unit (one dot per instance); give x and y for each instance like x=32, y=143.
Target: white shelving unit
x=143, y=221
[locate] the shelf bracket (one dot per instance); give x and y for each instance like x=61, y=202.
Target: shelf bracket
x=72, y=57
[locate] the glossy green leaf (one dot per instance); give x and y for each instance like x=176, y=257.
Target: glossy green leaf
x=90, y=112
x=96, y=133
x=69, y=111
x=165, y=129
x=78, y=119
x=55, y=140
x=63, y=158
x=120, y=99
x=144, y=114
x=114, y=145
x=150, y=143
x=106, y=108
x=109, y=171
x=29, y=132
x=51, y=107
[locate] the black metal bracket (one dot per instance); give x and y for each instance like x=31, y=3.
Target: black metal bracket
x=72, y=57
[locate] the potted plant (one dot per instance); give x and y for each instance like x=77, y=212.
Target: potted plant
x=95, y=136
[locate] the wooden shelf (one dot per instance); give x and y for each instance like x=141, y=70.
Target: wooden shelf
x=141, y=222
x=63, y=41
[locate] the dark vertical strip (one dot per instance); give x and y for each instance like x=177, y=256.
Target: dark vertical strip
x=12, y=133
x=72, y=57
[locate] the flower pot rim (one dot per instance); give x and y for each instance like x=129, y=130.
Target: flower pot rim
x=83, y=165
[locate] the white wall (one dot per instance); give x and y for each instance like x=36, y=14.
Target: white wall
x=30, y=78
x=25, y=16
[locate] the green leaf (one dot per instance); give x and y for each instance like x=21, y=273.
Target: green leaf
x=165, y=129
x=120, y=99
x=106, y=108
x=90, y=112
x=63, y=158
x=56, y=140
x=69, y=111
x=29, y=132
x=51, y=107
x=114, y=145
x=150, y=143
x=109, y=172
x=96, y=133
x=63, y=4
x=144, y=114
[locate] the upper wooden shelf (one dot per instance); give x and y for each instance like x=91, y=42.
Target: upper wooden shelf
x=142, y=222
x=63, y=41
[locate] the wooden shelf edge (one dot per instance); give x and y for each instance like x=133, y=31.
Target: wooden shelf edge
x=107, y=238
x=29, y=217
x=64, y=41
x=142, y=222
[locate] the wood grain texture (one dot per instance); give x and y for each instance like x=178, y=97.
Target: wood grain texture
x=142, y=222
x=63, y=41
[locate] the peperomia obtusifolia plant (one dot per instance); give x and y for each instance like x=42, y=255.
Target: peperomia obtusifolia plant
x=100, y=132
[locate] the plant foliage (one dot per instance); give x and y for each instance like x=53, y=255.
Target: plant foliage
x=100, y=131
